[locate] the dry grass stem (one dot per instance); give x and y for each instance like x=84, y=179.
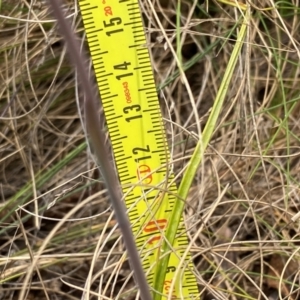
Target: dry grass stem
x=242, y=211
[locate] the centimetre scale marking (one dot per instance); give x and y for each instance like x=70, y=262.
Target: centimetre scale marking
x=124, y=75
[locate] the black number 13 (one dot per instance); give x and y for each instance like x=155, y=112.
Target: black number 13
x=132, y=108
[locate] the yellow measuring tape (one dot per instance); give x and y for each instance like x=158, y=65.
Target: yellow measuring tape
x=121, y=61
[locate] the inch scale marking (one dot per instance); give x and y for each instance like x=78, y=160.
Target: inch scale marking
x=122, y=66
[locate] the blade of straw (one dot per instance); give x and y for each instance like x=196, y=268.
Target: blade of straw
x=97, y=137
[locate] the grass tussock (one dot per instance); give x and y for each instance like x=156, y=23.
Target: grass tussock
x=242, y=209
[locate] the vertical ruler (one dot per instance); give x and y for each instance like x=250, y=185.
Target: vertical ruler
x=123, y=71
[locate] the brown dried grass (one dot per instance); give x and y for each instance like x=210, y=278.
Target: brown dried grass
x=247, y=249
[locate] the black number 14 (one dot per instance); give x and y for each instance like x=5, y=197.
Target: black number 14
x=123, y=67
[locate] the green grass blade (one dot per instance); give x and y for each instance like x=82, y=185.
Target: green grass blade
x=26, y=192
x=196, y=160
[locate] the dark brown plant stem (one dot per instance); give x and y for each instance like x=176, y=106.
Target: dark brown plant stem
x=97, y=138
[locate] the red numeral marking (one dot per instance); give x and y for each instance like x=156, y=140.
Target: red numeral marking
x=153, y=226
x=167, y=286
x=108, y=11
x=142, y=171
x=154, y=239
x=127, y=92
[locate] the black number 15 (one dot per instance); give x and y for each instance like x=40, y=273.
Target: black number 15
x=113, y=22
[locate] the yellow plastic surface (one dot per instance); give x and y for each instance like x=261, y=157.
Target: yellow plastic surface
x=122, y=66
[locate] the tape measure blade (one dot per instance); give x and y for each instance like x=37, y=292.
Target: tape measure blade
x=121, y=61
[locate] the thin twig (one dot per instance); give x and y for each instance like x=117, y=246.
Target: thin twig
x=97, y=137
x=31, y=255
